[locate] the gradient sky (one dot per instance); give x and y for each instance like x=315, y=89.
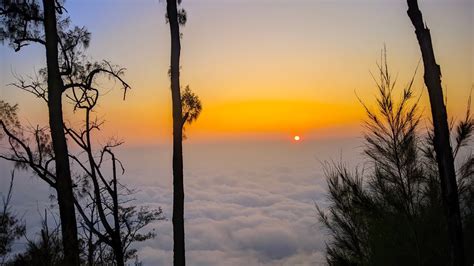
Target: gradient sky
x=264, y=69
x=261, y=68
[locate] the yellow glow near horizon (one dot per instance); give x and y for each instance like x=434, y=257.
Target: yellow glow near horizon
x=267, y=118
x=280, y=115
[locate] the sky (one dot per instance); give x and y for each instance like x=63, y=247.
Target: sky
x=262, y=69
x=265, y=70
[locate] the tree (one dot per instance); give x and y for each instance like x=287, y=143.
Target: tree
x=11, y=228
x=47, y=250
x=110, y=224
x=77, y=80
x=24, y=22
x=192, y=107
x=391, y=212
x=441, y=140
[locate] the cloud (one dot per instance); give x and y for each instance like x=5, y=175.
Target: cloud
x=273, y=242
x=236, y=213
x=261, y=216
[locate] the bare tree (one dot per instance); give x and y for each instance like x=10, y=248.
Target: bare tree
x=441, y=141
x=102, y=201
x=192, y=108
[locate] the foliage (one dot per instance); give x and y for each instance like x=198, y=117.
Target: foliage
x=11, y=228
x=191, y=105
x=20, y=22
x=9, y=115
x=391, y=213
x=47, y=250
x=133, y=220
x=30, y=148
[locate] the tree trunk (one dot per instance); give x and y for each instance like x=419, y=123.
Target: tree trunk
x=444, y=153
x=63, y=172
x=118, y=251
x=178, y=186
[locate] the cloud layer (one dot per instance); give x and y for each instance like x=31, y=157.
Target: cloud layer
x=245, y=204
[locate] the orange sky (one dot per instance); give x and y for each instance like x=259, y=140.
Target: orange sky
x=261, y=69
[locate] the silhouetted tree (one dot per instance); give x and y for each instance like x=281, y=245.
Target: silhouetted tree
x=25, y=22
x=103, y=203
x=391, y=213
x=110, y=223
x=11, y=228
x=192, y=107
x=441, y=138
x=77, y=80
x=46, y=251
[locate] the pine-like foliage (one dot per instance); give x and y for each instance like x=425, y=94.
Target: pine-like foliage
x=391, y=213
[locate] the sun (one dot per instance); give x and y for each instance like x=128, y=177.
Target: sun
x=296, y=138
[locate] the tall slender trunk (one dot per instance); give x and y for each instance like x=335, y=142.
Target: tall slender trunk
x=118, y=251
x=118, y=245
x=63, y=172
x=444, y=153
x=178, y=186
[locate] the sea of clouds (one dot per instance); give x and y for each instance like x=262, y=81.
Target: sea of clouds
x=246, y=203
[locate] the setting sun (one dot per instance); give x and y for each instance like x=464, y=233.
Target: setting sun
x=297, y=138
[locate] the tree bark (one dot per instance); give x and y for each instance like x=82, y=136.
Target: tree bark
x=56, y=123
x=444, y=153
x=118, y=251
x=118, y=245
x=178, y=186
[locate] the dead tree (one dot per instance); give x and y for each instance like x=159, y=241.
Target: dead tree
x=442, y=146
x=85, y=97
x=109, y=221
